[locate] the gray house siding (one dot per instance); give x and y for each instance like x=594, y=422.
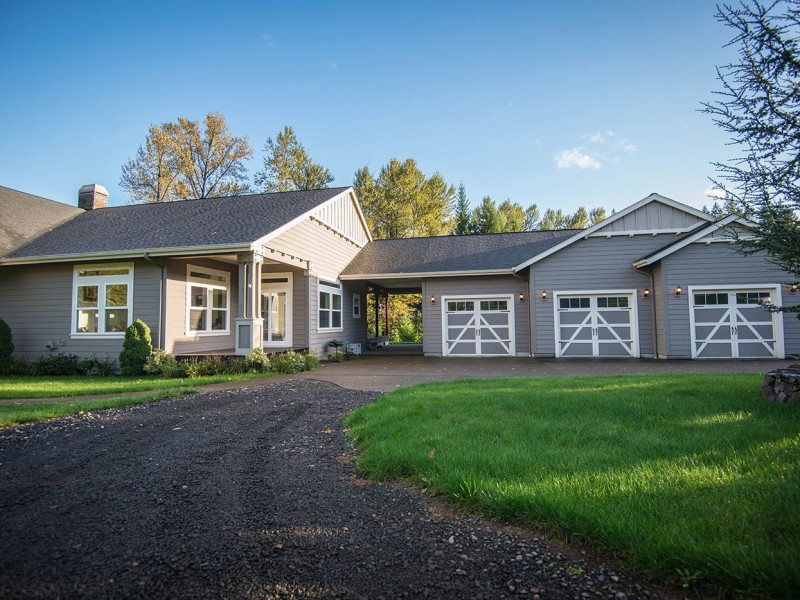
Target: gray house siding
x=597, y=263
x=654, y=215
x=354, y=331
x=36, y=302
x=716, y=264
x=432, y=343
x=658, y=293
x=177, y=341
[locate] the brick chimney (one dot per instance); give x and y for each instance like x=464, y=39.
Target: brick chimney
x=92, y=196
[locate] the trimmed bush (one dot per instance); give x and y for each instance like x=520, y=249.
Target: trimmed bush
x=19, y=365
x=97, y=367
x=257, y=360
x=161, y=364
x=288, y=362
x=136, y=348
x=55, y=364
x=6, y=346
x=236, y=366
x=202, y=367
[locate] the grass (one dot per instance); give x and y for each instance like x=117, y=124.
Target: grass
x=15, y=414
x=691, y=474
x=26, y=386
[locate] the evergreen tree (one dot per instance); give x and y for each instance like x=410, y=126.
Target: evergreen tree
x=486, y=218
x=288, y=167
x=512, y=216
x=532, y=217
x=463, y=214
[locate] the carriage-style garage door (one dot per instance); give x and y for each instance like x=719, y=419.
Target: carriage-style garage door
x=478, y=326
x=596, y=324
x=730, y=322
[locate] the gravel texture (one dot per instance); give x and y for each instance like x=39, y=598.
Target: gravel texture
x=249, y=493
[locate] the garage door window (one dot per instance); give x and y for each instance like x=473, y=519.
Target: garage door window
x=574, y=303
x=488, y=305
x=460, y=306
x=710, y=299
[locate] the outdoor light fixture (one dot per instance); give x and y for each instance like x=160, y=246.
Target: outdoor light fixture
x=793, y=287
x=521, y=297
x=646, y=292
x=433, y=299
x=544, y=294
x=678, y=291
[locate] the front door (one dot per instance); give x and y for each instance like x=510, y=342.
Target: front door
x=276, y=309
x=600, y=324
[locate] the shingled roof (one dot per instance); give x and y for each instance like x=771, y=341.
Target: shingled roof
x=24, y=217
x=454, y=253
x=208, y=222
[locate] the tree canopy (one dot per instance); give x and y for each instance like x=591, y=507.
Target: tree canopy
x=402, y=202
x=188, y=160
x=759, y=108
x=288, y=167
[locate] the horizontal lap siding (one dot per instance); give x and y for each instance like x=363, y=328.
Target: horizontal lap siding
x=354, y=331
x=309, y=240
x=36, y=302
x=177, y=341
x=718, y=264
x=593, y=264
x=463, y=286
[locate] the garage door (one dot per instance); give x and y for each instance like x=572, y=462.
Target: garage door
x=596, y=324
x=732, y=323
x=478, y=326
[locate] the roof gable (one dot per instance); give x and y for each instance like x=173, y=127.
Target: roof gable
x=24, y=217
x=657, y=214
x=235, y=222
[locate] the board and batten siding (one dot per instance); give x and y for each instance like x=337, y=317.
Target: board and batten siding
x=596, y=263
x=354, y=331
x=502, y=285
x=717, y=264
x=36, y=302
x=654, y=215
x=177, y=342
x=342, y=216
x=311, y=241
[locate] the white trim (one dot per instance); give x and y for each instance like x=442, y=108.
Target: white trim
x=511, y=320
x=359, y=213
x=605, y=222
x=208, y=285
x=633, y=232
x=777, y=317
x=332, y=291
x=360, y=310
x=128, y=254
x=413, y=275
x=288, y=286
x=698, y=236
x=634, y=316
x=101, y=281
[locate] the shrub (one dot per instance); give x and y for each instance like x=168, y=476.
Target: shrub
x=237, y=366
x=311, y=360
x=337, y=345
x=94, y=366
x=19, y=365
x=136, y=348
x=202, y=367
x=55, y=364
x=257, y=360
x=6, y=346
x=161, y=364
x=288, y=362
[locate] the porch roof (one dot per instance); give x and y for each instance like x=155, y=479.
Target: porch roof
x=230, y=222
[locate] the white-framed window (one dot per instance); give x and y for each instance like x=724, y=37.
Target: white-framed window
x=330, y=306
x=102, y=299
x=356, y=306
x=208, y=301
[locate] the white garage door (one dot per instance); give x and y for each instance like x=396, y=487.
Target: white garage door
x=596, y=324
x=732, y=323
x=478, y=326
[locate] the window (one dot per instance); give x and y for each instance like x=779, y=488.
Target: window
x=612, y=302
x=276, y=308
x=714, y=299
x=573, y=303
x=753, y=298
x=356, y=306
x=487, y=305
x=460, y=306
x=330, y=305
x=102, y=299
x=207, y=301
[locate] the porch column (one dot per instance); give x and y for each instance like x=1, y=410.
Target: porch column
x=386, y=315
x=249, y=324
x=377, y=314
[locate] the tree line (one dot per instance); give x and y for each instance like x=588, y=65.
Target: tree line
x=193, y=159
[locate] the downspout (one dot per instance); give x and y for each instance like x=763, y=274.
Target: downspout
x=528, y=293
x=162, y=288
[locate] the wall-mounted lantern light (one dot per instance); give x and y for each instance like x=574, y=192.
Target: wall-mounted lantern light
x=793, y=287
x=544, y=294
x=433, y=299
x=646, y=292
x=678, y=291
x=521, y=297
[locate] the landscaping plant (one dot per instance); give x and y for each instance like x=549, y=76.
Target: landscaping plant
x=136, y=348
x=162, y=364
x=257, y=360
x=97, y=367
x=55, y=364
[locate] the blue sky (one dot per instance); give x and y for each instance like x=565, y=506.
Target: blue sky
x=564, y=104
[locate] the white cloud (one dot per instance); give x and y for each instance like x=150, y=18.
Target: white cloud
x=715, y=192
x=597, y=138
x=629, y=147
x=566, y=159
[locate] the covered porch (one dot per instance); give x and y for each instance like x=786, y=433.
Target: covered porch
x=382, y=320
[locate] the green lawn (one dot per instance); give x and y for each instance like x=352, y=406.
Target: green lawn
x=26, y=386
x=14, y=414
x=693, y=475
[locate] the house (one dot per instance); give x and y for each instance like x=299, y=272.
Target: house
x=293, y=270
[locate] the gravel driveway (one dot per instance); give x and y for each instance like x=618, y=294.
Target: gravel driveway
x=248, y=493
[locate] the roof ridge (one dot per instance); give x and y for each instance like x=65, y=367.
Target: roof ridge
x=16, y=191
